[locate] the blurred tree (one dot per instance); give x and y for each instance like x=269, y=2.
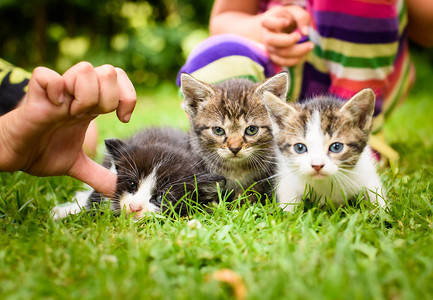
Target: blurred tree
x=149, y=39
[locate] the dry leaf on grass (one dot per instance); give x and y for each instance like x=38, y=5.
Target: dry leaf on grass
x=234, y=280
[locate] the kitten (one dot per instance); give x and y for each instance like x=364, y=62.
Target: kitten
x=154, y=168
x=231, y=130
x=323, y=144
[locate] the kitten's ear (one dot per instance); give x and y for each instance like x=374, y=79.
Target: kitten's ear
x=115, y=148
x=361, y=108
x=279, y=110
x=277, y=85
x=194, y=92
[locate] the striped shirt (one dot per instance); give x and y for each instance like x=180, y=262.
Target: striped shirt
x=358, y=44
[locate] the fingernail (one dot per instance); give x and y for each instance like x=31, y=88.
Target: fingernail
x=127, y=117
x=305, y=30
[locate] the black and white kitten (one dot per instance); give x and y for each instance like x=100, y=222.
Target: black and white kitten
x=155, y=169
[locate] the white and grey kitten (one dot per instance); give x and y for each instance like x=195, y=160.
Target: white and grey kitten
x=155, y=169
x=323, y=144
x=231, y=131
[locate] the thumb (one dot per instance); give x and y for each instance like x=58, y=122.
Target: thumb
x=302, y=19
x=99, y=178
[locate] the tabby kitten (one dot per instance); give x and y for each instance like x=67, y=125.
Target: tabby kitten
x=323, y=144
x=231, y=130
x=155, y=169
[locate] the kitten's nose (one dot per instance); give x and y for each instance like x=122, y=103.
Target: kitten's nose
x=235, y=150
x=317, y=167
x=135, y=207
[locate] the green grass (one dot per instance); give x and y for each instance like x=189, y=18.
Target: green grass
x=348, y=253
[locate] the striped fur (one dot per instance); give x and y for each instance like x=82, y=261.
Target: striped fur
x=233, y=108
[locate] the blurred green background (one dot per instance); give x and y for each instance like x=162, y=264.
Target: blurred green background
x=148, y=39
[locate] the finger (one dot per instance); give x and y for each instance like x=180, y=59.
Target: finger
x=283, y=61
x=46, y=83
x=298, y=50
x=281, y=39
x=277, y=24
x=95, y=175
x=108, y=89
x=127, y=96
x=302, y=19
x=81, y=82
x=278, y=18
x=291, y=56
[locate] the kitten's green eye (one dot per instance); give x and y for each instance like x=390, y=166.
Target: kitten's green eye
x=300, y=148
x=336, y=147
x=251, y=130
x=218, y=131
x=158, y=199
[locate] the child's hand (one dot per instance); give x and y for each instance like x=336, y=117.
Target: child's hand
x=44, y=136
x=281, y=37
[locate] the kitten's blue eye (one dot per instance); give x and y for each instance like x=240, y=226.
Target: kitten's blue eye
x=218, y=131
x=251, y=130
x=300, y=148
x=336, y=147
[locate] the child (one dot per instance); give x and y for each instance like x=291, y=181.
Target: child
x=328, y=46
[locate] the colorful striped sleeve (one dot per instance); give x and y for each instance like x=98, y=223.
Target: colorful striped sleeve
x=358, y=44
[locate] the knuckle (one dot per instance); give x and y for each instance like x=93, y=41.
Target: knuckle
x=268, y=39
x=38, y=70
x=120, y=71
x=275, y=59
x=265, y=39
x=84, y=66
x=129, y=99
x=42, y=73
x=108, y=71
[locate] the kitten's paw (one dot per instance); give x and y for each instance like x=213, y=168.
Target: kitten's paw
x=289, y=207
x=377, y=197
x=61, y=211
x=70, y=208
x=381, y=202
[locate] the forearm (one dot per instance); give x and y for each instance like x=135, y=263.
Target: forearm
x=420, y=27
x=5, y=152
x=14, y=141
x=238, y=17
x=235, y=22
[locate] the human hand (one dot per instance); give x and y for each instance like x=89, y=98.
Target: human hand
x=281, y=37
x=44, y=136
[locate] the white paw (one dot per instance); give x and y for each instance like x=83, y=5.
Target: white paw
x=289, y=207
x=377, y=197
x=79, y=204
